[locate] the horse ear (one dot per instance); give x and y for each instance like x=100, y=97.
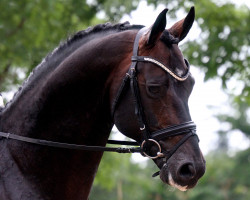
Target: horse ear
x=182, y=27
x=158, y=27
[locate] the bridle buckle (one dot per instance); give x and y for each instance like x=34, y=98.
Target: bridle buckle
x=142, y=128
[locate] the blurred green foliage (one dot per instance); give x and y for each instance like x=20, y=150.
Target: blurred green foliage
x=223, y=51
x=226, y=178
x=29, y=29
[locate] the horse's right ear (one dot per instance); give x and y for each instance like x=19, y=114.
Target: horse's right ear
x=181, y=28
x=158, y=27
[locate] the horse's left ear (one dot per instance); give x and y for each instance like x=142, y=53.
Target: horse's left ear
x=158, y=27
x=181, y=28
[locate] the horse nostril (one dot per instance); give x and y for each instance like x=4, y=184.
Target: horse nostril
x=187, y=171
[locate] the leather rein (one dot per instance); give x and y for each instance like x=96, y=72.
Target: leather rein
x=187, y=128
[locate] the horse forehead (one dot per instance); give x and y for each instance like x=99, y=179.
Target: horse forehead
x=166, y=53
x=170, y=56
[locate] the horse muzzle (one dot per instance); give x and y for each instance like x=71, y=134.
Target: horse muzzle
x=182, y=170
x=178, y=168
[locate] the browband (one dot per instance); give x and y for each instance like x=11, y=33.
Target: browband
x=162, y=66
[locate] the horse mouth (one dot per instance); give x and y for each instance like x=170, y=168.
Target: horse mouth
x=175, y=185
x=169, y=178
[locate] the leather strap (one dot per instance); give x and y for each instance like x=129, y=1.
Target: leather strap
x=168, y=154
x=75, y=146
x=174, y=130
x=132, y=67
x=162, y=66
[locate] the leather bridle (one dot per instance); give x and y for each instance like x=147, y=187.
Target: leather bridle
x=187, y=128
x=149, y=138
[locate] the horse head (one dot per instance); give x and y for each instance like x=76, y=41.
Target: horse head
x=67, y=101
x=156, y=103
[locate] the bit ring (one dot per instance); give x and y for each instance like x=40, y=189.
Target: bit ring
x=159, y=154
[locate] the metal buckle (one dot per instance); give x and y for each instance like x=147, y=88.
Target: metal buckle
x=158, y=155
x=143, y=128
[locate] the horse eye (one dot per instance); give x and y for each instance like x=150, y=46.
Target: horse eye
x=154, y=89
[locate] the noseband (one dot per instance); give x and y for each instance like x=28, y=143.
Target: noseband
x=187, y=128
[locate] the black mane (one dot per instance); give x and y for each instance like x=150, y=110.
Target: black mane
x=53, y=59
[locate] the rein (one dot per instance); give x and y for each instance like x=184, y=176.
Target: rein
x=188, y=128
x=76, y=146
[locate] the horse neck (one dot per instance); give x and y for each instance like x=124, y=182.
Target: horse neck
x=71, y=104
x=74, y=92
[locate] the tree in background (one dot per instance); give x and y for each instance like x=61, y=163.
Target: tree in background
x=223, y=51
x=225, y=179
x=30, y=29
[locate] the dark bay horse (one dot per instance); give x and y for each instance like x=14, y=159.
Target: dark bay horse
x=81, y=90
